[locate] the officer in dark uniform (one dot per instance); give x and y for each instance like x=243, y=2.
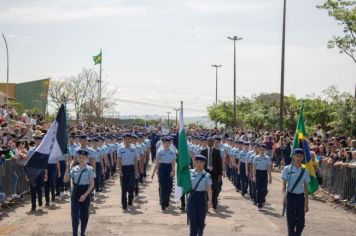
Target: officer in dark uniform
x=197, y=202
x=295, y=189
x=83, y=181
x=154, y=137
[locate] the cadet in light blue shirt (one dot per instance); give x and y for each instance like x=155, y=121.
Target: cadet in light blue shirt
x=83, y=178
x=128, y=157
x=242, y=168
x=262, y=175
x=165, y=164
x=296, y=200
x=197, y=205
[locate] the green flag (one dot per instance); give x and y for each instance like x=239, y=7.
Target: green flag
x=97, y=59
x=183, y=173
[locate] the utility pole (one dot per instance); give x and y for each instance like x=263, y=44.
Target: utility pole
x=168, y=118
x=7, y=70
x=177, y=109
x=281, y=100
x=216, y=87
x=234, y=38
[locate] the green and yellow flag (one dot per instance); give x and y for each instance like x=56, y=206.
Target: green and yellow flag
x=300, y=141
x=97, y=59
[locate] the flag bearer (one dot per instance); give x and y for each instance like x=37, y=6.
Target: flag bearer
x=83, y=181
x=295, y=190
x=165, y=163
x=197, y=202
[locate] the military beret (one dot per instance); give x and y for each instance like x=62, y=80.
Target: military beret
x=165, y=139
x=200, y=158
x=127, y=135
x=83, y=136
x=298, y=151
x=83, y=152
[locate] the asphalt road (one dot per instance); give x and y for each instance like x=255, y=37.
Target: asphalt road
x=235, y=216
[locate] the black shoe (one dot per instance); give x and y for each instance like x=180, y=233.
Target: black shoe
x=182, y=208
x=259, y=205
x=136, y=191
x=124, y=207
x=163, y=208
x=40, y=203
x=47, y=204
x=130, y=202
x=33, y=209
x=215, y=207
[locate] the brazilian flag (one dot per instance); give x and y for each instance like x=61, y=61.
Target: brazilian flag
x=300, y=141
x=97, y=59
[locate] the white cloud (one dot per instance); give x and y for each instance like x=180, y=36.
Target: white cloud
x=42, y=14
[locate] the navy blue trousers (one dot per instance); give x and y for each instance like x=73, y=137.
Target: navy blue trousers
x=59, y=181
x=80, y=210
x=165, y=183
x=51, y=182
x=197, y=212
x=97, y=176
x=295, y=214
x=127, y=181
x=36, y=191
x=261, y=185
x=243, y=178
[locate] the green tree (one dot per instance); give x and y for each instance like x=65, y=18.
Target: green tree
x=344, y=12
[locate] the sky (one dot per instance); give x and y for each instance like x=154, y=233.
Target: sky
x=161, y=51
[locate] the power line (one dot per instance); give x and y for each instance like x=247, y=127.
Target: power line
x=158, y=105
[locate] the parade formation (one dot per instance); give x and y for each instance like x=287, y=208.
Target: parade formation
x=254, y=149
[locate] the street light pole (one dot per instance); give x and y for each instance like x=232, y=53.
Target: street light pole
x=168, y=117
x=281, y=105
x=177, y=109
x=216, y=87
x=7, y=70
x=234, y=38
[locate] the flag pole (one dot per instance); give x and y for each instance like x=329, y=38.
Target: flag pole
x=101, y=61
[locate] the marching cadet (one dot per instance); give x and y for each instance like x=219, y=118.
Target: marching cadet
x=59, y=180
x=242, y=168
x=236, y=152
x=140, y=151
x=197, y=202
x=165, y=163
x=50, y=185
x=98, y=160
x=127, y=165
x=37, y=185
x=295, y=190
x=262, y=174
x=252, y=188
x=83, y=181
x=252, y=173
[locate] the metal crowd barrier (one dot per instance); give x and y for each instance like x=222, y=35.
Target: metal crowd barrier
x=12, y=171
x=339, y=181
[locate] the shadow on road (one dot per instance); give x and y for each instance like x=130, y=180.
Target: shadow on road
x=270, y=213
